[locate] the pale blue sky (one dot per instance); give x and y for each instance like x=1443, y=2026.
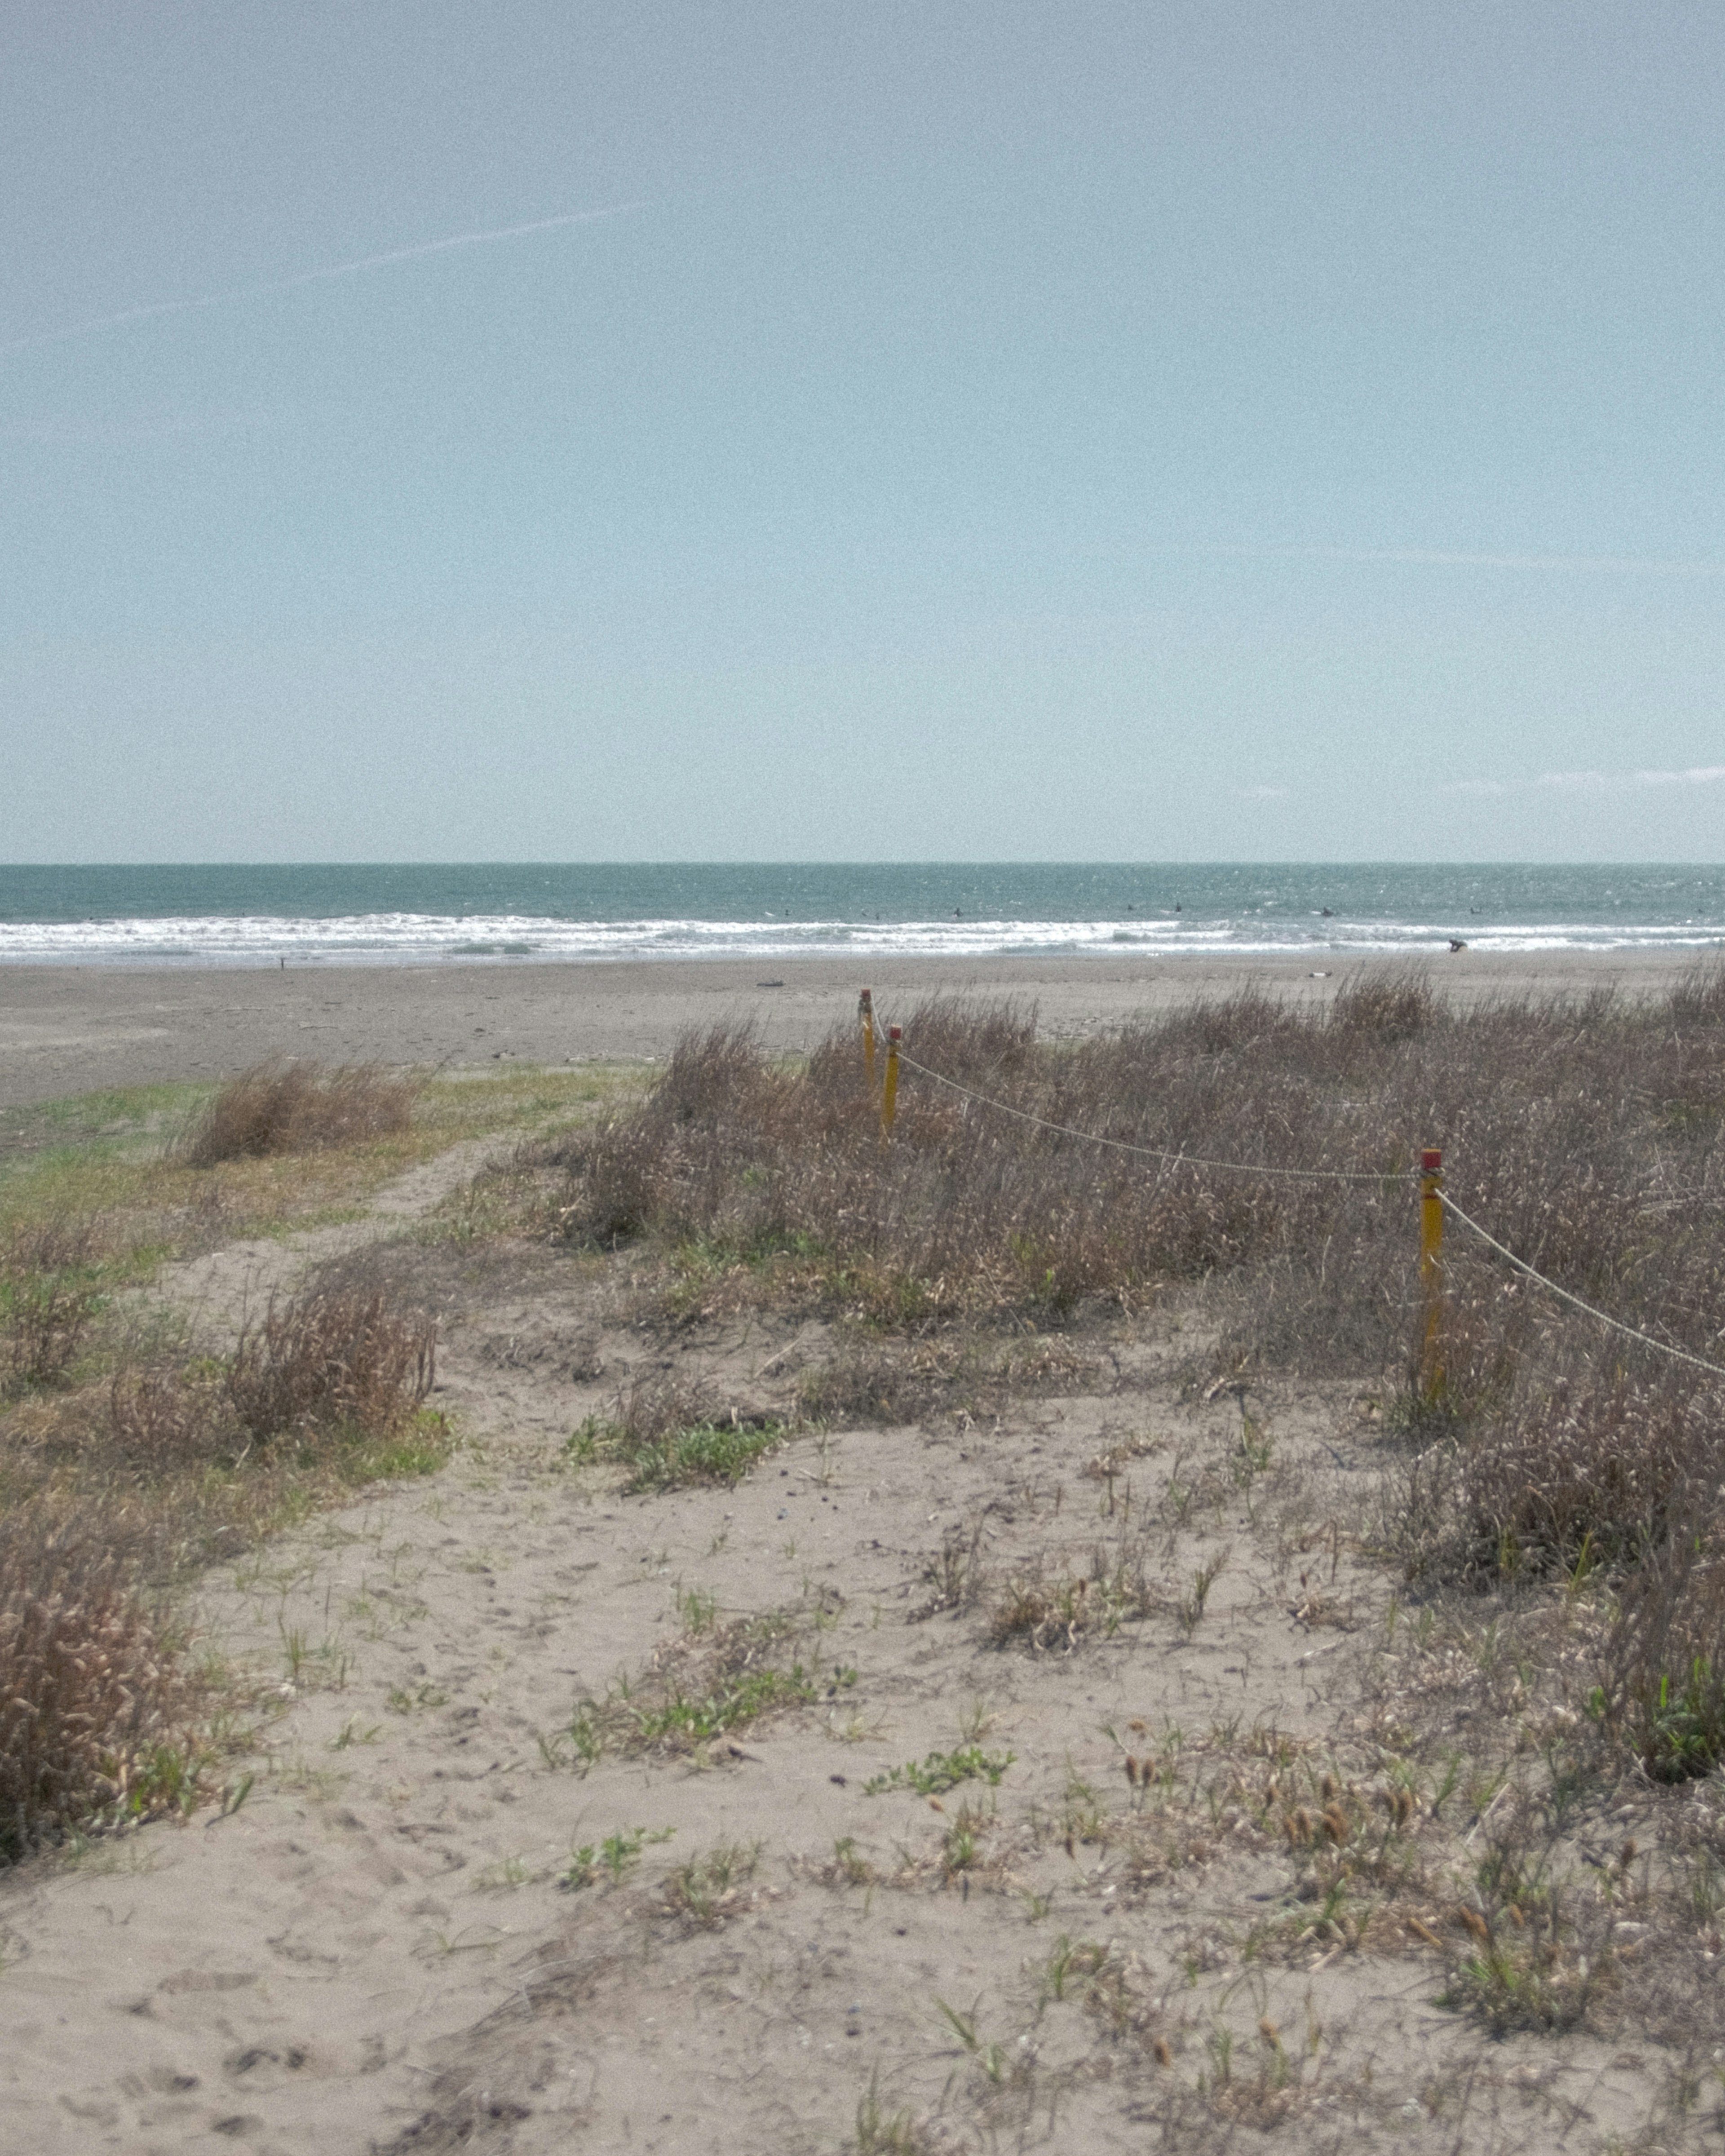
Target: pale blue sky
x=990, y=431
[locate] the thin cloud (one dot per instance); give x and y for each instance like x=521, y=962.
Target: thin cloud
x=354, y=269
x=1264, y=794
x=1587, y=782
x=1616, y=781
x=1440, y=557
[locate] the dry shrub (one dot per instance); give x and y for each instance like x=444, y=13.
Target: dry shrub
x=89, y=1693
x=1699, y=998
x=1587, y=1136
x=1048, y=1607
x=874, y=1377
x=279, y=1107
x=330, y=1358
x=47, y=1296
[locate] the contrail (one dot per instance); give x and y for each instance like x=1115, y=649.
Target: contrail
x=320, y=276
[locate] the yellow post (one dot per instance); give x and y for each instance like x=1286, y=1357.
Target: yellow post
x=866, y=1012
x=889, y=1091
x=1431, y=1270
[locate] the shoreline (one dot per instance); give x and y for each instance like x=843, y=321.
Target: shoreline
x=81, y=1028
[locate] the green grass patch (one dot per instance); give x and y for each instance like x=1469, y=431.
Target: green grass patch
x=942, y=1771
x=108, y=1154
x=734, y=1703
x=714, y=1451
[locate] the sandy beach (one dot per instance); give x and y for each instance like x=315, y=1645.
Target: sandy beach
x=75, y=1029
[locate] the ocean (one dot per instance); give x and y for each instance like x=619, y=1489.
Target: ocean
x=431, y=914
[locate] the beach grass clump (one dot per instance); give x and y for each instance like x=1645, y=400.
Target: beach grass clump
x=93, y=1701
x=176, y=1457
x=334, y=1356
x=1661, y=1688
x=51, y=1287
x=285, y=1107
x=1586, y=1136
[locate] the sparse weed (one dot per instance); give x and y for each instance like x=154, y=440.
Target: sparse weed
x=942, y=1771
x=879, y=2134
x=612, y=1858
x=735, y=1700
x=1190, y=1608
x=707, y=1890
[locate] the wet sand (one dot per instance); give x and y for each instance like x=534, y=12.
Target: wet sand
x=66, y=1030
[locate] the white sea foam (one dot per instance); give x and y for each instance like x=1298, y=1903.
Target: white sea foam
x=419, y=938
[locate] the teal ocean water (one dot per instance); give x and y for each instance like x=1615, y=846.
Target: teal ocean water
x=429, y=913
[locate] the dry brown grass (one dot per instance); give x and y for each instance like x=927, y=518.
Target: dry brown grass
x=277, y=1107
x=1587, y=1136
x=330, y=1357
x=91, y=1701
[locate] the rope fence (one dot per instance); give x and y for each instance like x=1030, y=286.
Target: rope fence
x=1435, y=1202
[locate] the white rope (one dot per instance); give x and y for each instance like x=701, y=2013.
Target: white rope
x=1616, y=1324
x=1319, y=1175
x=1157, y=1152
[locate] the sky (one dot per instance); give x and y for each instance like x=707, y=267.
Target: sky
x=733, y=431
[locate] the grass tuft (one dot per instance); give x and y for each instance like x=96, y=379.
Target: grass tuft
x=91, y=1700
x=710, y=1888
x=331, y=1358
x=49, y=1291
x=285, y=1107
x=667, y=1435
x=942, y=1771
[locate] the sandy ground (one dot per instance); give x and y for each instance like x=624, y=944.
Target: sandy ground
x=379, y=1946
x=373, y=1951
x=72, y=1029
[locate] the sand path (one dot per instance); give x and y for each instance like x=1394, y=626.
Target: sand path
x=219, y=1290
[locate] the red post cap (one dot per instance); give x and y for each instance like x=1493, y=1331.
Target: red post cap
x=866, y=997
x=1432, y=1161
x=892, y=1033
